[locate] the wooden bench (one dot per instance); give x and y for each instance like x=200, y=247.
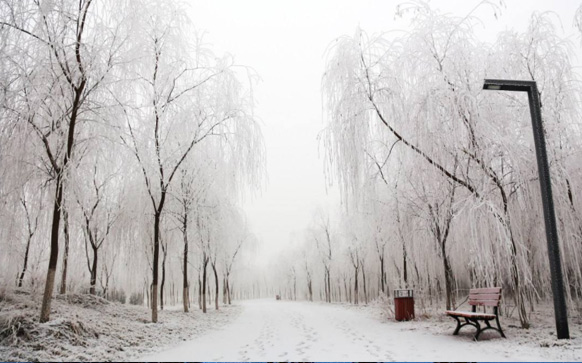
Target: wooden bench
x=479, y=297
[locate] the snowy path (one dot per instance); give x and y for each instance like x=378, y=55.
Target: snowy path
x=269, y=330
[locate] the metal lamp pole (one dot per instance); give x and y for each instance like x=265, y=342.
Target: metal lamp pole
x=531, y=88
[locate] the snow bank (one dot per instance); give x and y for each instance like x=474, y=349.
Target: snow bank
x=537, y=341
x=89, y=328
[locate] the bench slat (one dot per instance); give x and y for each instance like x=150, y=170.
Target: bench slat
x=484, y=302
x=485, y=296
x=468, y=314
x=488, y=290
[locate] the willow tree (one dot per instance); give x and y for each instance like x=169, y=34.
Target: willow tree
x=321, y=233
x=183, y=96
x=203, y=178
x=189, y=197
x=99, y=213
x=213, y=225
x=422, y=92
x=60, y=55
x=237, y=236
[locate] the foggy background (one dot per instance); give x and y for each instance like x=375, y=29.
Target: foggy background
x=286, y=42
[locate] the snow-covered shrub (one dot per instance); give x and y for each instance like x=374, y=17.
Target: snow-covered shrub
x=86, y=300
x=9, y=327
x=116, y=295
x=136, y=298
x=385, y=306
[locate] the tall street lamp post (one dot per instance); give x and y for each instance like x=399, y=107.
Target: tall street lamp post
x=531, y=88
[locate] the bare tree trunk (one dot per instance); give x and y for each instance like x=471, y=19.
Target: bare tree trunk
x=382, y=275
x=310, y=287
x=204, y=265
x=216, y=285
x=325, y=286
x=31, y=231
x=228, y=289
x=404, y=267
x=449, y=283
x=66, y=254
x=208, y=295
x=346, y=289
x=29, y=239
x=93, y=281
x=165, y=254
x=45, y=310
x=519, y=290
x=328, y=285
x=186, y=297
x=185, y=286
x=224, y=298
x=364, y=280
x=155, y=266
x=199, y=292
x=147, y=291
x=356, y=285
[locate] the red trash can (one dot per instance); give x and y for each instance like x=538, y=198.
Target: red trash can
x=403, y=304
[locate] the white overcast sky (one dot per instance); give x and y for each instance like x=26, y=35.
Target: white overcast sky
x=285, y=42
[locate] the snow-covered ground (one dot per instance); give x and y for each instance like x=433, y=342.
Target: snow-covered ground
x=269, y=330
x=87, y=328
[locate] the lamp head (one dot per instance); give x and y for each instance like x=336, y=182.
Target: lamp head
x=492, y=87
x=508, y=85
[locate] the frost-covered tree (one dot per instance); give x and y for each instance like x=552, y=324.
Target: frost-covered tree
x=99, y=212
x=322, y=236
x=58, y=57
x=395, y=103
x=113, y=115
x=238, y=236
x=189, y=198
x=32, y=224
x=183, y=97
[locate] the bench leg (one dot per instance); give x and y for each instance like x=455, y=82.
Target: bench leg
x=478, y=326
x=490, y=327
x=475, y=322
x=458, y=326
x=499, y=327
x=467, y=322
